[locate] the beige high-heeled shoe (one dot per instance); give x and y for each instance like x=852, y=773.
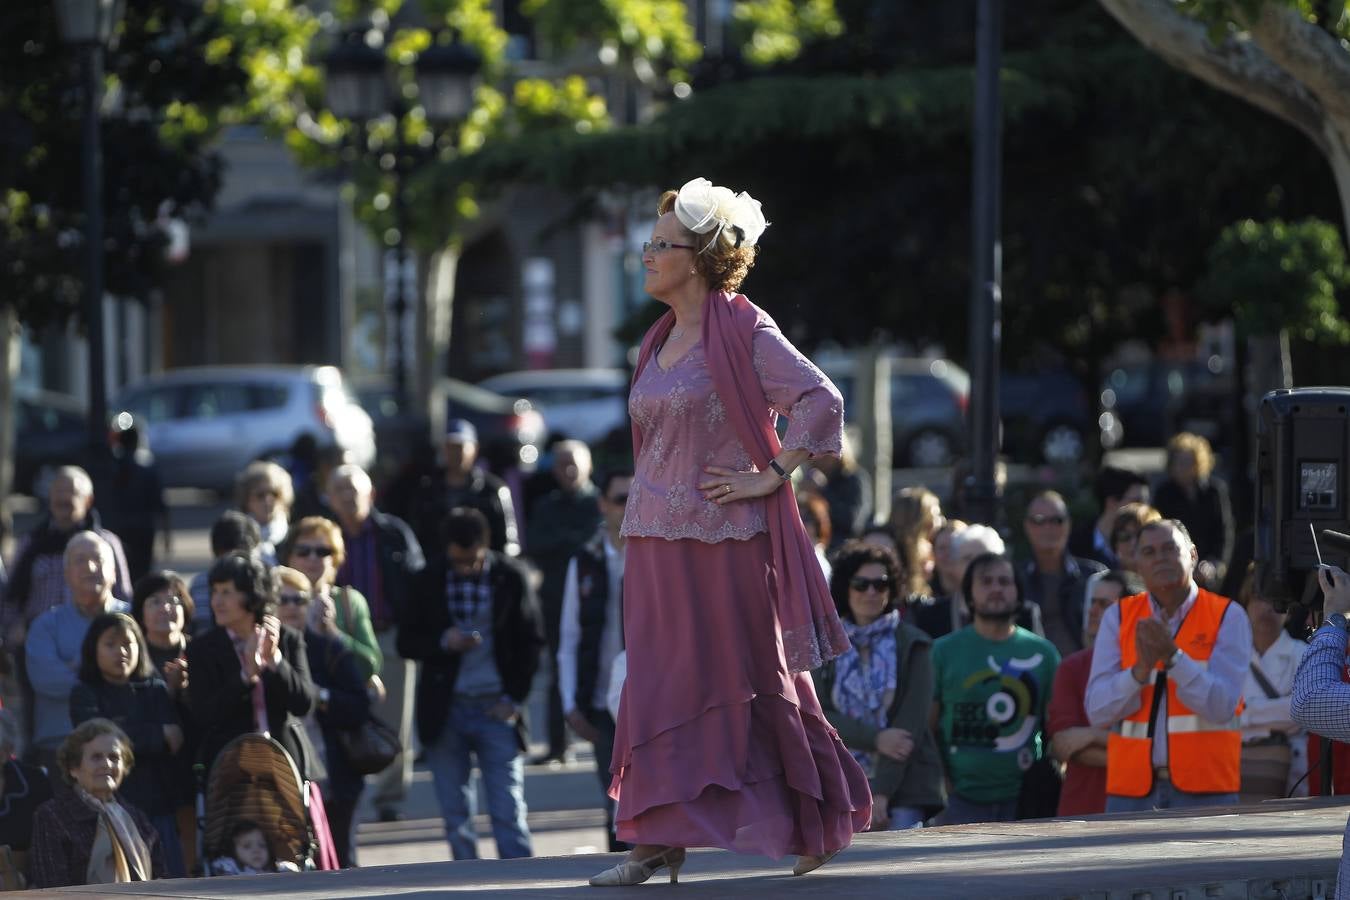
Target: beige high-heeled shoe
x=811, y=863
x=639, y=870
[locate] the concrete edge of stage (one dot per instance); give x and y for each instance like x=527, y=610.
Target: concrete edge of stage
x=1280, y=849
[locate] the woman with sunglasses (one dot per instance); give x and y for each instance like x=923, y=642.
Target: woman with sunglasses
x=878, y=693
x=342, y=703
x=315, y=549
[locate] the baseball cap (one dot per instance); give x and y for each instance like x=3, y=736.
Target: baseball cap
x=461, y=430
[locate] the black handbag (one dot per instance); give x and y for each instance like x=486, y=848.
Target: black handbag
x=369, y=747
x=1039, y=795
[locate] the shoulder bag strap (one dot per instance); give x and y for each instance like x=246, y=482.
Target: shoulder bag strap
x=1262, y=680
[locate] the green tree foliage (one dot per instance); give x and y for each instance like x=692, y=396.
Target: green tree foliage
x=773, y=31
x=655, y=32
x=1118, y=174
x=1278, y=275
x=180, y=72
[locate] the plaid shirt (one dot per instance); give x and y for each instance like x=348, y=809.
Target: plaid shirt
x=1321, y=704
x=1321, y=701
x=467, y=597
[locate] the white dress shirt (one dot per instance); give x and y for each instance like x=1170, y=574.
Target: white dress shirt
x=1279, y=663
x=611, y=640
x=1212, y=690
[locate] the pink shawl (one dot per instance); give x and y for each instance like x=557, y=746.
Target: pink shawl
x=811, y=632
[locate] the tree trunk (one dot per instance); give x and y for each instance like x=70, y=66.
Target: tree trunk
x=873, y=448
x=435, y=315
x=1338, y=157
x=10, y=332
x=1269, y=367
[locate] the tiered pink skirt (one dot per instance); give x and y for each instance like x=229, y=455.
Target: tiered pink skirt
x=717, y=745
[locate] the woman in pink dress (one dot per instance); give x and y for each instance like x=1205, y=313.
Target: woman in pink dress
x=720, y=739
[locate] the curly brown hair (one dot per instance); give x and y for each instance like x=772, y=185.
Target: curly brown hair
x=851, y=557
x=720, y=259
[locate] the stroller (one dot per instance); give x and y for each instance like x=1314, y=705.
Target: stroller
x=255, y=778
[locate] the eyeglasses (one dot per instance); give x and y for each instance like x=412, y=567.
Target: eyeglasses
x=293, y=599
x=171, y=601
x=304, y=551
x=661, y=245
x=1041, y=519
x=879, y=585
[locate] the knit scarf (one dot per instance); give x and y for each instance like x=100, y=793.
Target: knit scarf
x=811, y=632
x=864, y=675
x=119, y=853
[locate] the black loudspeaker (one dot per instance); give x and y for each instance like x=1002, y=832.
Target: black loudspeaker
x=1301, y=470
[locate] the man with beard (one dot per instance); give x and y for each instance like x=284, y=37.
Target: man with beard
x=1167, y=672
x=993, y=681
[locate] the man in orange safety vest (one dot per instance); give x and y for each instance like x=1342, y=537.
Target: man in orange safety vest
x=1167, y=675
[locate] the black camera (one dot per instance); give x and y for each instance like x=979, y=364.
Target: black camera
x=1301, y=511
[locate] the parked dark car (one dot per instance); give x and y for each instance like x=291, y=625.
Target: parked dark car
x=928, y=406
x=50, y=430
x=1154, y=400
x=511, y=431
x=1048, y=417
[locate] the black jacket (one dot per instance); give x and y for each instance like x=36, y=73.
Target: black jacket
x=517, y=638
x=400, y=559
x=1083, y=544
x=488, y=494
x=141, y=709
x=1069, y=602
x=222, y=703
x=334, y=667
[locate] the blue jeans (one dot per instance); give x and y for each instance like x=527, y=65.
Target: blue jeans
x=1166, y=795
x=471, y=733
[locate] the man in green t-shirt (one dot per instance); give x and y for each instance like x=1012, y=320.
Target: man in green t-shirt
x=992, y=687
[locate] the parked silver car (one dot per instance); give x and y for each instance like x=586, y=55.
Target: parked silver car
x=586, y=404
x=206, y=423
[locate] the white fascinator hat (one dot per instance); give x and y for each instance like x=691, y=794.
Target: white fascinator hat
x=704, y=207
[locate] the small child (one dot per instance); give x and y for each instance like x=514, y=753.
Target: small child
x=252, y=853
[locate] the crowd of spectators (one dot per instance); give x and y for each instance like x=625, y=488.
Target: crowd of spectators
x=983, y=684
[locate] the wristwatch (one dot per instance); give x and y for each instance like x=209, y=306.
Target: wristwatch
x=1173, y=659
x=1338, y=620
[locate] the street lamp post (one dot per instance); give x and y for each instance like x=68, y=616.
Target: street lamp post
x=87, y=26
x=358, y=86
x=986, y=299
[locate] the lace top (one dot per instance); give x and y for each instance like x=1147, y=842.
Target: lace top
x=684, y=428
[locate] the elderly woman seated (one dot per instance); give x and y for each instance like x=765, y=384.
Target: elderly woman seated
x=87, y=835
x=23, y=788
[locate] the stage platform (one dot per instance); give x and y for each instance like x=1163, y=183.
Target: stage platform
x=1284, y=850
